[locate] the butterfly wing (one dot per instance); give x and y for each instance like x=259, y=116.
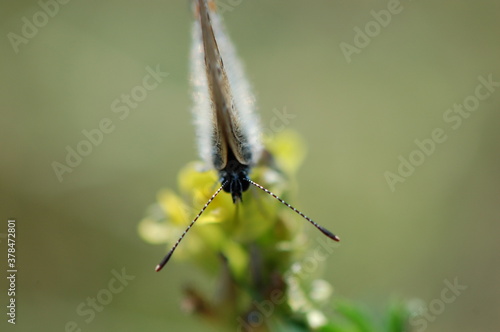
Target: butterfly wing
x=227, y=124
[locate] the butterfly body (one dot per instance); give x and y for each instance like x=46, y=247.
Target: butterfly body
x=234, y=147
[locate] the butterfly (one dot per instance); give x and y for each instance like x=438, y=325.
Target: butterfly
x=227, y=125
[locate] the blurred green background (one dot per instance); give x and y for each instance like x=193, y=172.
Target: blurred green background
x=356, y=118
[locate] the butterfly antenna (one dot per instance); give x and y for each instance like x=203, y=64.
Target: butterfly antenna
x=165, y=259
x=321, y=228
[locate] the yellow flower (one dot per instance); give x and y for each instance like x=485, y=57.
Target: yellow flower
x=226, y=227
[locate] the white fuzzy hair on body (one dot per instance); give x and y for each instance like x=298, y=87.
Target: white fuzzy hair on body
x=243, y=99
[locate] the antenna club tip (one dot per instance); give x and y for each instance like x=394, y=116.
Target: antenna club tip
x=158, y=268
x=336, y=238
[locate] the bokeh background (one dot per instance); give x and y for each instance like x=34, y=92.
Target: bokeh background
x=356, y=118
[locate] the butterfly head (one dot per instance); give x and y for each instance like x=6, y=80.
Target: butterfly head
x=234, y=179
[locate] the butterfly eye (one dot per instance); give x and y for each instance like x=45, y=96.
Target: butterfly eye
x=245, y=185
x=226, y=186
